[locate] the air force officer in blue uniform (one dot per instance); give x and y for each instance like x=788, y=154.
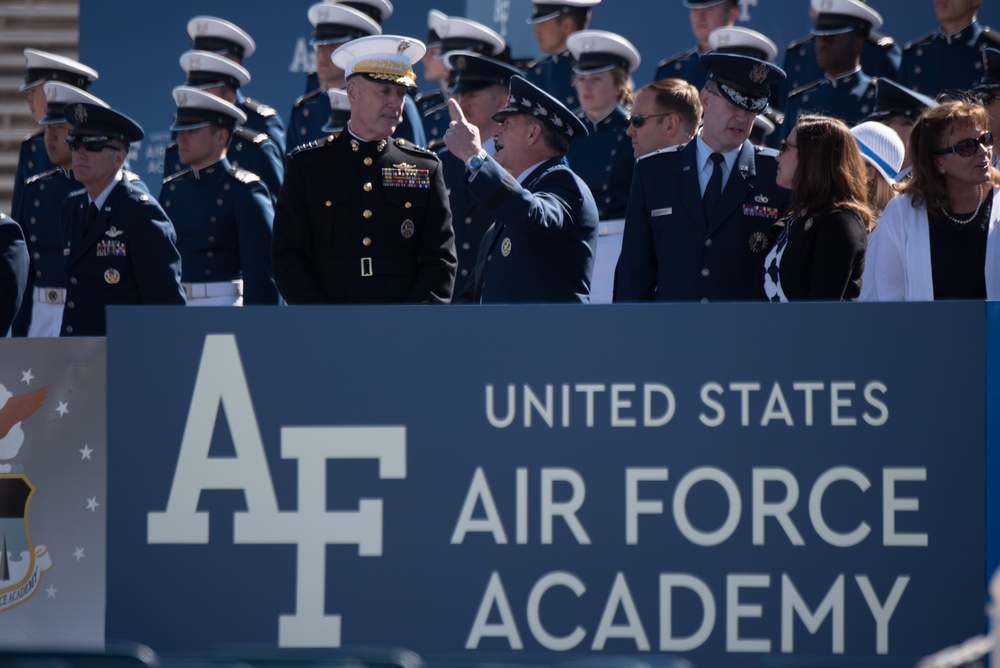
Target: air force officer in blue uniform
x=699, y=218
x=120, y=245
x=542, y=246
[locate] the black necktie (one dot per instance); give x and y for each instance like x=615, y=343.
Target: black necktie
x=713, y=191
x=91, y=215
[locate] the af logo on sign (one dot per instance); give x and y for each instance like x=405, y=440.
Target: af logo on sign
x=221, y=382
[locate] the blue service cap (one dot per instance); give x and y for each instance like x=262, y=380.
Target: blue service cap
x=336, y=24
x=470, y=71
x=744, y=81
x=209, y=33
x=198, y=109
x=891, y=99
x=743, y=42
x=527, y=98
x=43, y=66
x=599, y=51
x=97, y=123
x=58, y=95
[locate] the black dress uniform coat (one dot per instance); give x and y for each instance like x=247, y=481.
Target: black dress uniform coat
x=670, y=252
x=604, y=159
x=469, y=216
x=128, y=255
x=13, y=271
x=554, y=75
x=935, y=62
x=222, y=216
x=363, y=222
x=542, y=246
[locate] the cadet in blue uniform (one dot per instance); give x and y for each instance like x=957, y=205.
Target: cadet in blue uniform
x=899, y=107
x=845, y=91
x=604, y=158
x=223, y=38
x=13, y=271
x=222, y=214
x=457, y=34
x=120, y=245
x=699, y=218
x=552, y=23
x=543, y=244
x=949, y=59
x=706, y=16
x=39, y=216
x=41, y=67
x=431, y=103
x=880, y=57
x=250, y=149
x=480, y=86
x=361, y=217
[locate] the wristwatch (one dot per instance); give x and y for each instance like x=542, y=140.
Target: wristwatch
x=476, y=161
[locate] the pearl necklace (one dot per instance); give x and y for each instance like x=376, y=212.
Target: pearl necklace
x=970, y=218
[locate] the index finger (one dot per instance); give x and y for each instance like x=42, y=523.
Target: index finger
x=455, y=111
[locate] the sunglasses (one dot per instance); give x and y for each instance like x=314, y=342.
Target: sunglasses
x=638, y=121
x=785, y=145
x=91, y=146
x=968, y=147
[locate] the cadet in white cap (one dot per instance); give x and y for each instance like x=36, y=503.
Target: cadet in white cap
x=250, y=149
x=431, y=102
x=705, y=16
x=363, y=217
x=222, y=214
x=340, y=111
x=898, y=108
x=42, y=66
x=216, y=35
x=552, y=23
x=39, y=216
x=603, y=63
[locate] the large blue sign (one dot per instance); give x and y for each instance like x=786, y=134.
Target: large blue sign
x=717, y=481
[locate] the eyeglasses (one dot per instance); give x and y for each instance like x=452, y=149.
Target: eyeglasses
x=638, y=121
x=968, y=147
x=785, y=145
x=76, y=143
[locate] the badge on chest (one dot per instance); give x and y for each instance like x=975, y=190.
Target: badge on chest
x=405, y=175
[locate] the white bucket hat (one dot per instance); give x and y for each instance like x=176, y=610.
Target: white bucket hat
x=881, y=147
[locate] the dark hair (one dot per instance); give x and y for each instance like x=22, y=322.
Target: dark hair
x=930, y=134
x=830, y=171
x=679, y=97
x=555, y=141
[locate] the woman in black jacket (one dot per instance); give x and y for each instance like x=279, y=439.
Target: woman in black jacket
x=819, y=253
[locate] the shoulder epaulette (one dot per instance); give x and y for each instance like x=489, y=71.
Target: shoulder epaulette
x=172, y=145
x=436, y=108
x=311, y=145
x=880, y=40
x=252, y=136
x=667, y=149
x=803, y=89
x=410, y=146
x=43, y=175
x=670, y=59
x=77, y=193
x=32, y=135
x=766, y=151
x=242, y=175
x=131, y=176
x=436, y=145
x=923, y=38
x=176, y=175
x=991, y=35
x=799, y=42
x=426, y=95
x=259, y=108
x=308, y=96
x=535, y=63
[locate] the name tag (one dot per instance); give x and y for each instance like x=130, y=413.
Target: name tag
x=757, y=211
x=666, y=211
x=393, y=177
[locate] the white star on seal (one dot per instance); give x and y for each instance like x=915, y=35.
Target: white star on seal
x=85, y=452
x=26, y=377
x=78, y=554
x=51, y=591
x=92, y=504
x=62, y=408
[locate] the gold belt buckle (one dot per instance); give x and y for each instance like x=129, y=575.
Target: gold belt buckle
x=366, y=266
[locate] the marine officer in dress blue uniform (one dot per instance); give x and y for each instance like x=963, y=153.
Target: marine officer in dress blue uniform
x=602, y=63
x=706, y=16
x=39, y=216
x=363, y=217
x=544, y=241
x=333, y=26
x=845, y=91
x=458, y=34
x=480, y=86
x=119, y=244
x=949, y=59
x=880, y=57
x=13, y=271
x=552, y=23
x=41, y=67
x=222, y=214
x=898, y=107
x=250, y=149
x=223, y=38
x=988, y=90
x=699, y=218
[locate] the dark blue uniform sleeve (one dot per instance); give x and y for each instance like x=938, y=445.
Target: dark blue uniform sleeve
x=635, y=274
x=545, y=212
x=155, y=259
x=254, y=217
x=13, y=271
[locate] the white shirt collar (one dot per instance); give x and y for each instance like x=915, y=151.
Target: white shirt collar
x=103, y=197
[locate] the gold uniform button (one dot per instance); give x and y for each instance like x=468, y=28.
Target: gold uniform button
x=368, y=187
x=366, y=241
x=408, y=205
x=368, y=162
x=329, y=203
x=367, y=213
